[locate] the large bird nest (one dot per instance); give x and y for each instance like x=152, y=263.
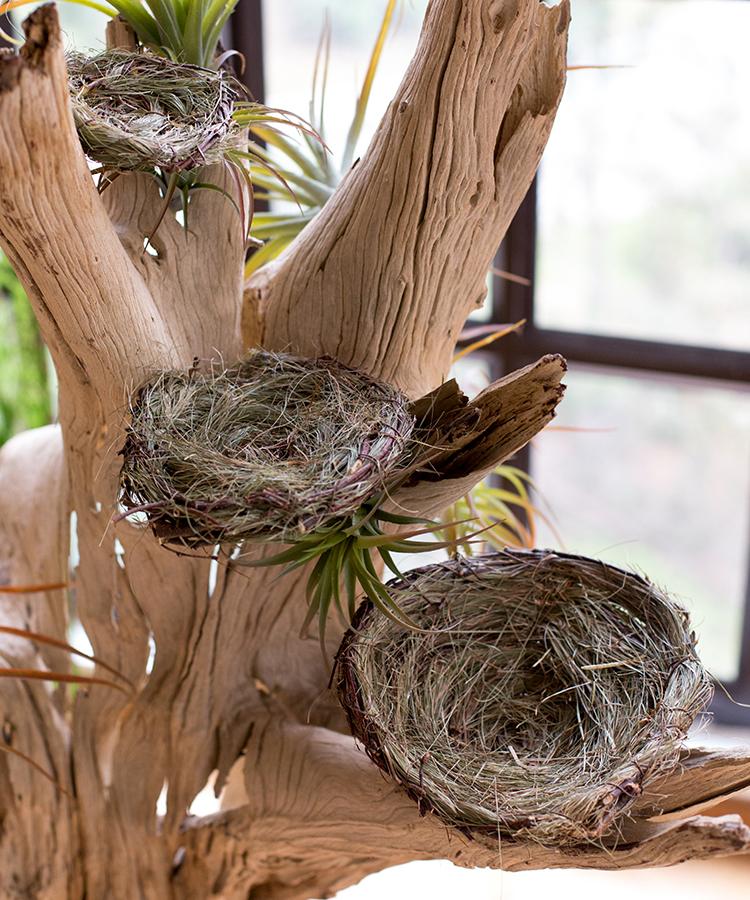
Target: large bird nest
x=139, y=111
x=275, y=448
x=543, y=693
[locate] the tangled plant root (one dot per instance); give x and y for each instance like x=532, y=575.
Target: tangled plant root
x=139, y=111
x=273, y=448
x=545, y=691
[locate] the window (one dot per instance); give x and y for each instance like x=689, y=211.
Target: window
x=638, y=247
x=636, y=241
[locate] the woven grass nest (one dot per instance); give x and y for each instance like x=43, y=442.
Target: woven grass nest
x=270, y=449
x=139, y=111
x=544, y=693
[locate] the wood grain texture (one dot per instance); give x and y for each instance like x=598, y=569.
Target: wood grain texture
x=320, y=816
x=398, y=258
x=703, y=778
x=383, y=279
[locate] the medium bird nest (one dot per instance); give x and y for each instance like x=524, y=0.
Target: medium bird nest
x=273, y=448
x=543, y=694
x=139, y=111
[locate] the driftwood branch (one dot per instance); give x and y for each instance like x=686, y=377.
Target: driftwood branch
x=320, y=816
x=382, y=279
x=469, y=442
x=398, y=258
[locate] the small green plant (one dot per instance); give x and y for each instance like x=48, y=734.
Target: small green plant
x=500, y=509
x=174, y=110
x=343, y=552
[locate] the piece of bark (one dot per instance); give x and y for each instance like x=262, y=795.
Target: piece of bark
x=703, y=779
x=467, y=442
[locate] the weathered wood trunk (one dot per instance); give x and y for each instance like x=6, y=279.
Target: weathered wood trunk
x=383, y=279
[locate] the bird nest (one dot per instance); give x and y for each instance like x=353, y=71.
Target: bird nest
x=543, y=694
x=139, y=111
x=273, y=448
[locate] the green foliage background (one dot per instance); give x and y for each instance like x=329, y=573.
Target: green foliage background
x=25, y=398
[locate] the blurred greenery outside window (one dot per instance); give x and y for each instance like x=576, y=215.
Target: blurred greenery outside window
x=25, y=372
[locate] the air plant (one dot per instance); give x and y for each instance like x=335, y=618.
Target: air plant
x=309, y=174
x=174, y=108
x=342, y=552
x=501, y=507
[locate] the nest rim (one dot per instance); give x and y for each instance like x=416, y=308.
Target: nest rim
x=609, y=799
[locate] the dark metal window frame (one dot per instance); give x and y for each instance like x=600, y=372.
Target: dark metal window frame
x=245, y=34
x=512, y=302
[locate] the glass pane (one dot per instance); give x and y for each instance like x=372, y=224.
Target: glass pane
x=660, y=483
x=292, y=29
x=644, y=223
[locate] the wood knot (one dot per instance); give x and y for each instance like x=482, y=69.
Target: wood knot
x=502, y=18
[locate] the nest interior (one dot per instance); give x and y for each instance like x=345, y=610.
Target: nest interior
x=139, y=111
x=543, y=693
x=271, y=448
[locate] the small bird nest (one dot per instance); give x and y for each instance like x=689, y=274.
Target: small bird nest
x=273, y=448
x=543, y=693
x=139, y=111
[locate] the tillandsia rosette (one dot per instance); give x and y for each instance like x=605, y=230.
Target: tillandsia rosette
x=276, y=449
x=540, y=695
x=138, y=111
